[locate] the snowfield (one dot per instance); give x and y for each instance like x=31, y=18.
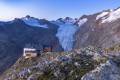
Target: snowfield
x=101, y=15
x=113, y=15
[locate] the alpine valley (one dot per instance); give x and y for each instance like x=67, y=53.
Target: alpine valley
x=81, y=41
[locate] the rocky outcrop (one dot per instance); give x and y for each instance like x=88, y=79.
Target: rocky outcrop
x=106, y=71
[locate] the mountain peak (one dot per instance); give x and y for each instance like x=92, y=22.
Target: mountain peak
x=27, y=16
x=110, y=15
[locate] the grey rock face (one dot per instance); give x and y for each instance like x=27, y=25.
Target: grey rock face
x=106, y=71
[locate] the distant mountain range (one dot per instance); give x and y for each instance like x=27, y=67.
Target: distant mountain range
x=101, y=30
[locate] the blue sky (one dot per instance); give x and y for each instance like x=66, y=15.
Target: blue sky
x=53, y=9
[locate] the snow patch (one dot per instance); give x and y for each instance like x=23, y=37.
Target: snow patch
x=82, y=21
x=113, y=15
x=101, y=15
x=33, y=22
x=70, y=21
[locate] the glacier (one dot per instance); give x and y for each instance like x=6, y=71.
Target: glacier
x=65, y=35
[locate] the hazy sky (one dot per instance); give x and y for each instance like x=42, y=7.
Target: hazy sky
x=53, y=9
